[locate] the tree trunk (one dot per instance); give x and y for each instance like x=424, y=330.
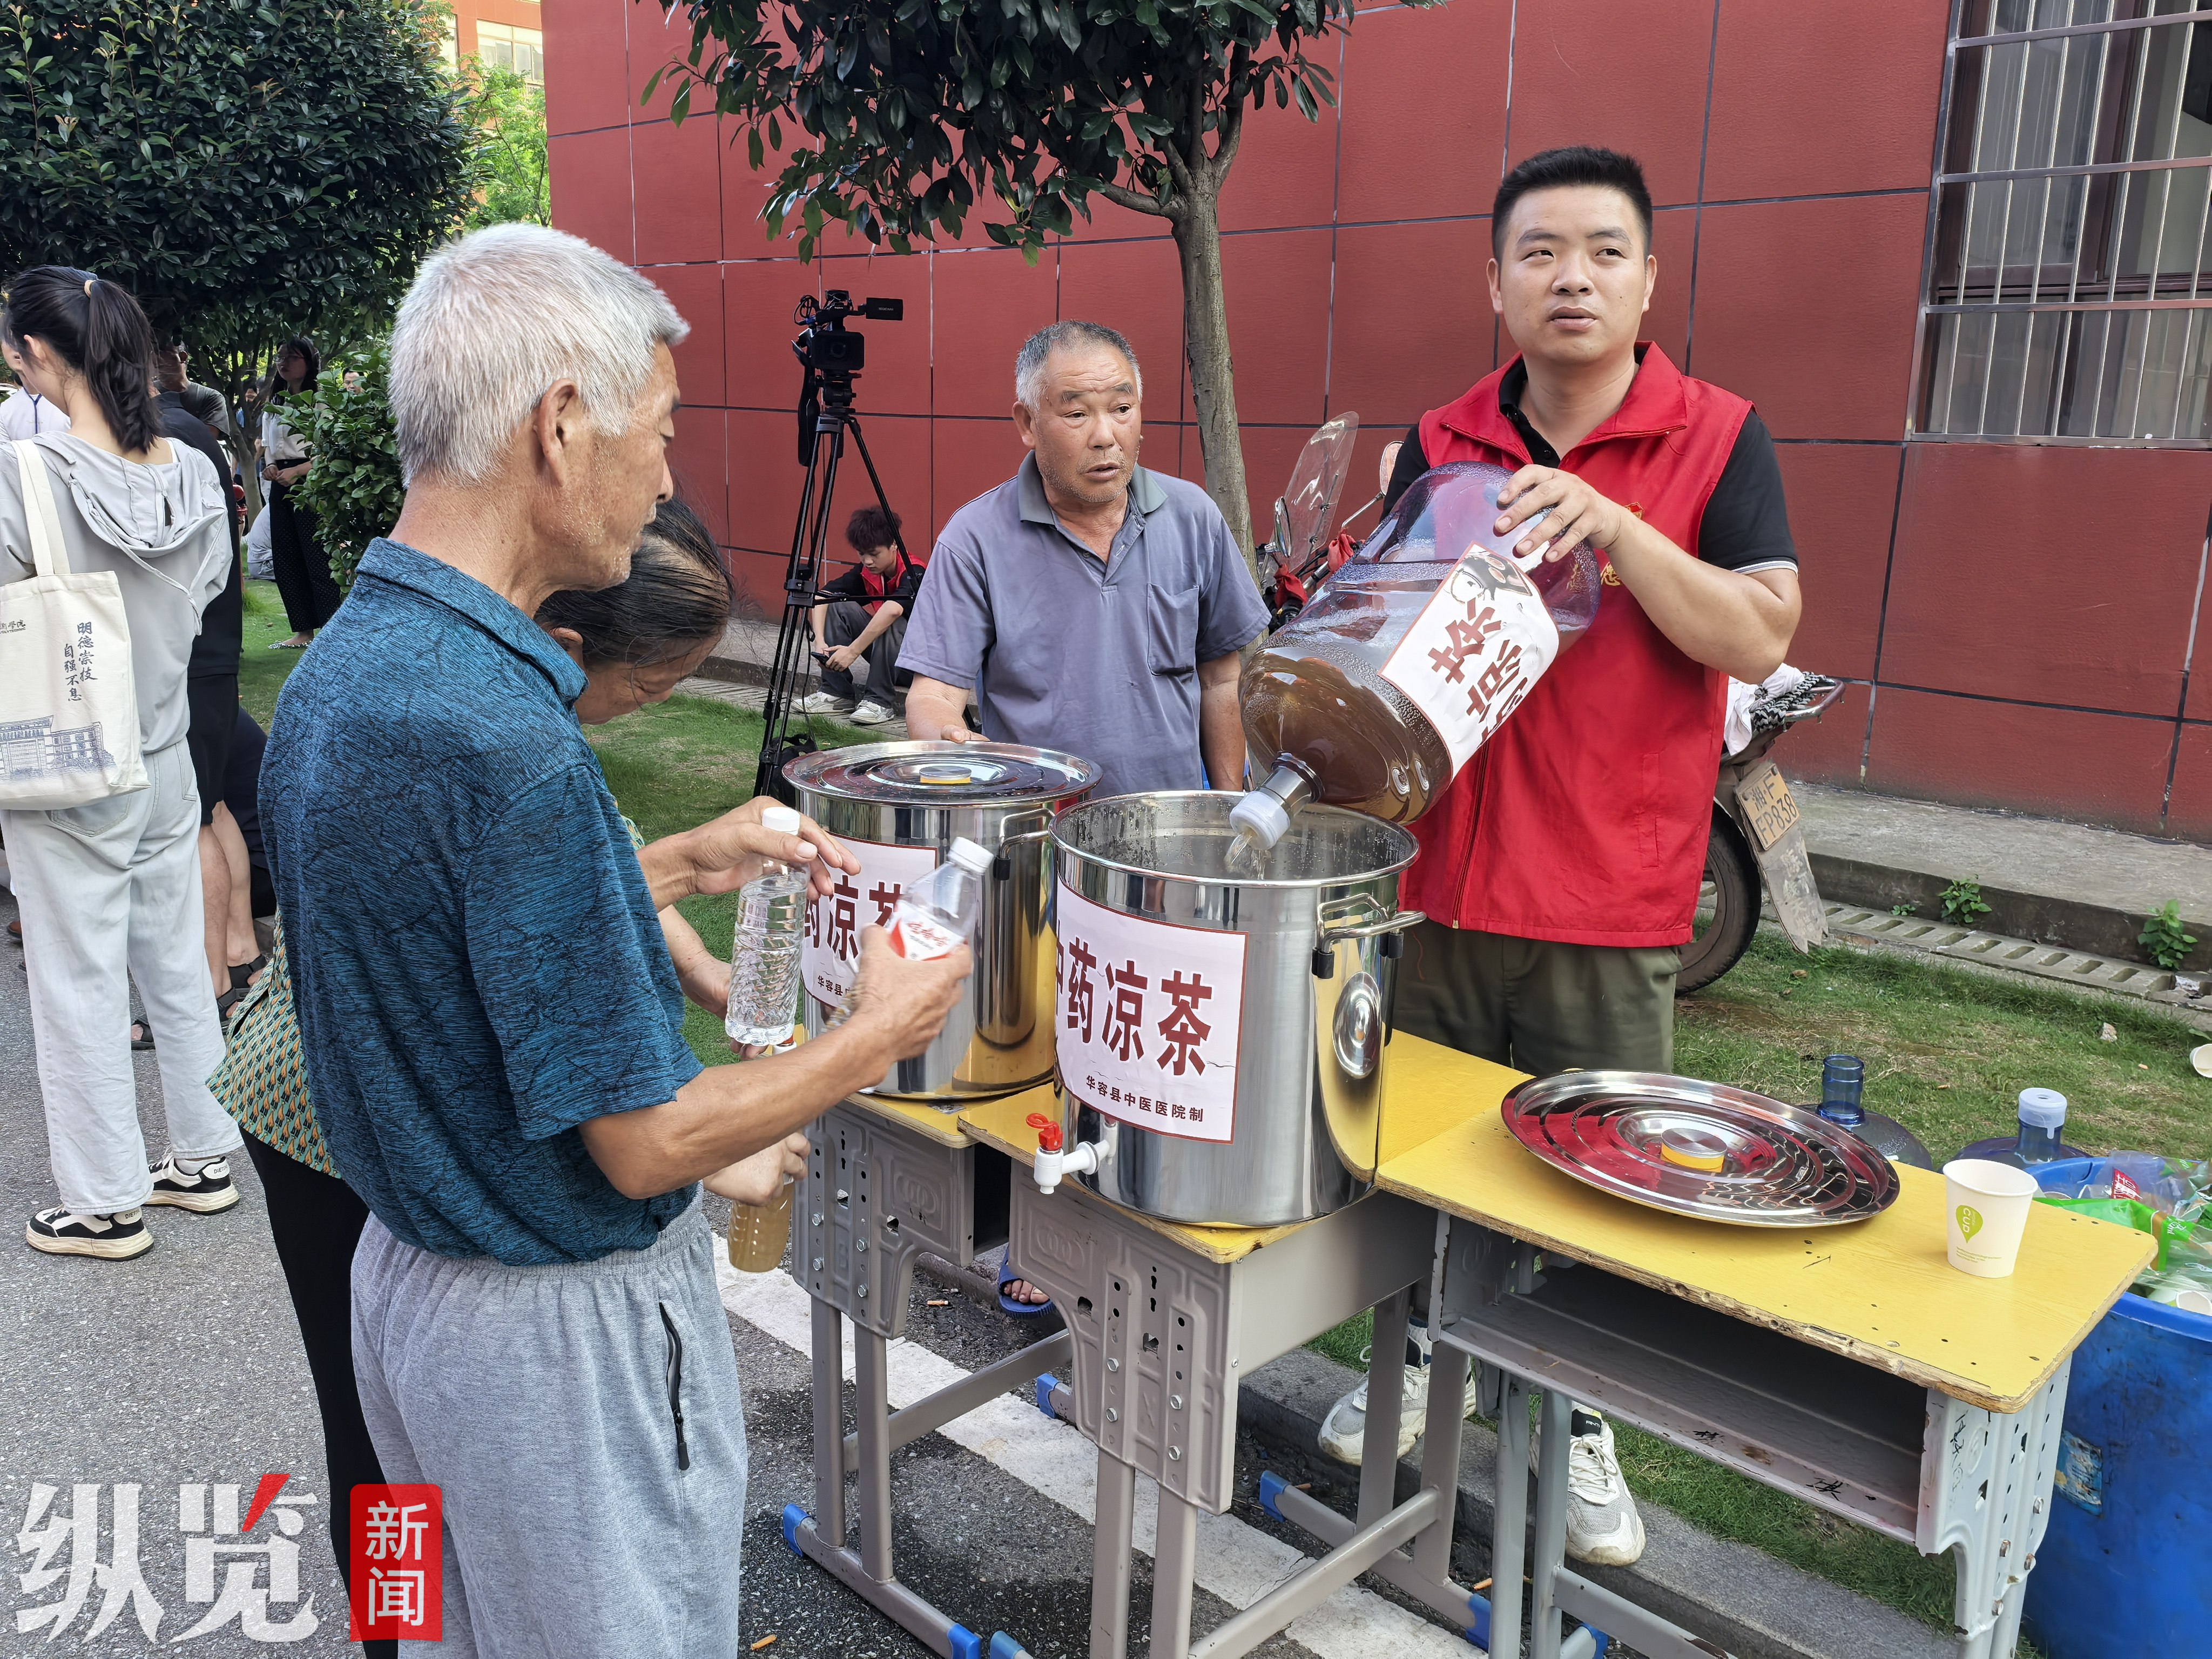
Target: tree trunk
x=1212, y=376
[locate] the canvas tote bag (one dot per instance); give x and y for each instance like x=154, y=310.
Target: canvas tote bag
x=68, y=709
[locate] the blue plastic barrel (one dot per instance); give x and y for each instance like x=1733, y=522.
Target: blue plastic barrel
x=2123, y=1570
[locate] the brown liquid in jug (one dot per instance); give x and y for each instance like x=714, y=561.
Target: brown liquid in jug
x=1323, y=701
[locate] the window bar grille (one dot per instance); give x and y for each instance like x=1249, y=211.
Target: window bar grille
x=2087, y=210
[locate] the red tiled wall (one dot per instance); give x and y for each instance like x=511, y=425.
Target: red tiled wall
x=2017, y=621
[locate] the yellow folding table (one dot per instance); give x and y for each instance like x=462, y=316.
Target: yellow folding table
x=1851, y=1365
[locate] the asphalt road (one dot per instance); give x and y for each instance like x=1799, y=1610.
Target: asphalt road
x=183, y=1366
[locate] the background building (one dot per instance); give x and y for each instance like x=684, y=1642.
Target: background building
x=510, y=33
x=1988, y=383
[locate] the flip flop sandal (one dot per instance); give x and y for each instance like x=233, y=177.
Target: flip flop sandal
x=1019, y=1309
x=240, y=977
x=142, y=1043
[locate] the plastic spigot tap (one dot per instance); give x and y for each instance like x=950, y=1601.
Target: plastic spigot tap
x=1051, y=1162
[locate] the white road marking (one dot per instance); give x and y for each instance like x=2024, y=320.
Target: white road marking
x=1236, y=1562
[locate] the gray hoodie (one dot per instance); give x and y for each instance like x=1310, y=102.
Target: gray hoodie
x=160, y=528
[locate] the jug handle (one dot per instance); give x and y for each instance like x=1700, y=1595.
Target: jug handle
x=1389, y=928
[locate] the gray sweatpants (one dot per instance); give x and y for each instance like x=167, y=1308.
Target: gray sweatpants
x=538, y=1401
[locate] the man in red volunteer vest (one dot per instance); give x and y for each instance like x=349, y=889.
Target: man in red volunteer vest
x=1561, y=869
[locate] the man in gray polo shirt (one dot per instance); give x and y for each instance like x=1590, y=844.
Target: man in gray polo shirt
x=1090, y=604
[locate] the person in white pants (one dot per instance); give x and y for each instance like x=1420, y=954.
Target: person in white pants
x=110, y=890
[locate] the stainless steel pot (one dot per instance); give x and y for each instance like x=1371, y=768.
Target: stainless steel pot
x=1152, y=932
x=898, y=806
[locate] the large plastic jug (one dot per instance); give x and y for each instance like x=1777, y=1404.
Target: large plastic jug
x=1409, y=656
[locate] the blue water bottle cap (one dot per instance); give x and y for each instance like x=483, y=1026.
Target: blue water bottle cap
x=2042, y=1109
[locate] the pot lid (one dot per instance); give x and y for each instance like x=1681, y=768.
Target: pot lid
x=1701, y=1149
x=943, y=774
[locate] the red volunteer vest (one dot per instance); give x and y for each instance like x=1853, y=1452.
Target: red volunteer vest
x=1584, y=818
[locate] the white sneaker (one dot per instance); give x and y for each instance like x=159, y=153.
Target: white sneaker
x=823, y=702
x=871, y=713
x=1344, y=1430
x=1603, y=1527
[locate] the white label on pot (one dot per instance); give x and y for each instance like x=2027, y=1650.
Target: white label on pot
x=1483, y=638
x=831, y=953
x=1148, y=1016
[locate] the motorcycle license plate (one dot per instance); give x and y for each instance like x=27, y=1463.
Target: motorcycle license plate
x=1768, y=805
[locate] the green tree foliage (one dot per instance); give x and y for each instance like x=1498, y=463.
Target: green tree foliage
x=905, y=116
x=353, y=488
x=251, y=169
x=510, y=114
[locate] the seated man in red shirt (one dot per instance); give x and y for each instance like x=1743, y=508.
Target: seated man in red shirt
x=866, y=619
x=1560, y=871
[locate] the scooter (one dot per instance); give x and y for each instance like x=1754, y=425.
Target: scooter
x=1757, y=849
x=1758, y=842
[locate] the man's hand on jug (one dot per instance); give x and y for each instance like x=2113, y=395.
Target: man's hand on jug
x=723, y=854
x=1578, y=513
x=905, y=1003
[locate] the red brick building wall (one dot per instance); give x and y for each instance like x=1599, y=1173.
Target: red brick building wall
x=2016, y=620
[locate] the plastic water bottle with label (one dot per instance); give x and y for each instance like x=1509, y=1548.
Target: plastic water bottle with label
x=763, y=1007
x=1407, y=659
x=933, y=916
x=932, y=919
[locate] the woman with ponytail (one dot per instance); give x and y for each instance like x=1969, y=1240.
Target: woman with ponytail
x=304, y=582
x=110, y=891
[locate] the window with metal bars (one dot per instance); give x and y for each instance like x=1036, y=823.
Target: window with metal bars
x=2068, y=287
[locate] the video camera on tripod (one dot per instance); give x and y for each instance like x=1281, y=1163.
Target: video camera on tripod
x=829, y=355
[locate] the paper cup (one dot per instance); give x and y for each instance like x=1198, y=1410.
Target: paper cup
x=1985, y=1211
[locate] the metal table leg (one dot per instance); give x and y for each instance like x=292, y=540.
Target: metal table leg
x=876, y=1196
x=1110, y=1559
x=1175, y=1568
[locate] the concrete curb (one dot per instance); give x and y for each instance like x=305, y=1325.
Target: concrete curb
x=1754, y=1605
x=2077, y=924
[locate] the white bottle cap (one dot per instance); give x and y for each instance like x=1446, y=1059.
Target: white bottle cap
x=784, y=820
x=1262, y=814
x=969, y=856
x=2042, y=1109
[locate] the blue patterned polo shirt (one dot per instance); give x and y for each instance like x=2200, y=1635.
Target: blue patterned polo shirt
x=475, y=955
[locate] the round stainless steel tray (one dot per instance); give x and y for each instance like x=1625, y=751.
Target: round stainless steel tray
x=1700, y=1148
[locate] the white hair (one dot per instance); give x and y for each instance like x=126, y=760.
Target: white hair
x=1029, y=361
x=492, y=320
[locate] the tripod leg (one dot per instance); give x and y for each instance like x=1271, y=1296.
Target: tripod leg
x=801, y=579
x=869, y=461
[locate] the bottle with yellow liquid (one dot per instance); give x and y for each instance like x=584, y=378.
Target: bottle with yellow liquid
x=1408, y=659
x=758, y=1232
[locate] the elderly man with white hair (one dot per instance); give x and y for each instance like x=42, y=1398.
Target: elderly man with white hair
x=493, y=1029
x=1089, y=604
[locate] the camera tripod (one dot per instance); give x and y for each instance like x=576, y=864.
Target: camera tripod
x=831, y=355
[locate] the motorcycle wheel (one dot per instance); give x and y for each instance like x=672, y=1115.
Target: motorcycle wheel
x=1728, y=909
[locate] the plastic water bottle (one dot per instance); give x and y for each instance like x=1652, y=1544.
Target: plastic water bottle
x=764, y=961
x=936, y=915
x=2042, y=1116
x=933, y=917
x=1843, y=1088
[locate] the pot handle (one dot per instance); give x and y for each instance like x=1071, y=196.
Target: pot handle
x=1002, y=864
x=1390, y=929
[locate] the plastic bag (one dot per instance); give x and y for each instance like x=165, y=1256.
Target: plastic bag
x=2177, y=1187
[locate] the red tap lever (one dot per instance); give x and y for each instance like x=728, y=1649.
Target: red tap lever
x=1048, y=1137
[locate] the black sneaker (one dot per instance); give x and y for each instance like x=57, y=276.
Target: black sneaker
x=61, y=1231
x=206, y=1189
